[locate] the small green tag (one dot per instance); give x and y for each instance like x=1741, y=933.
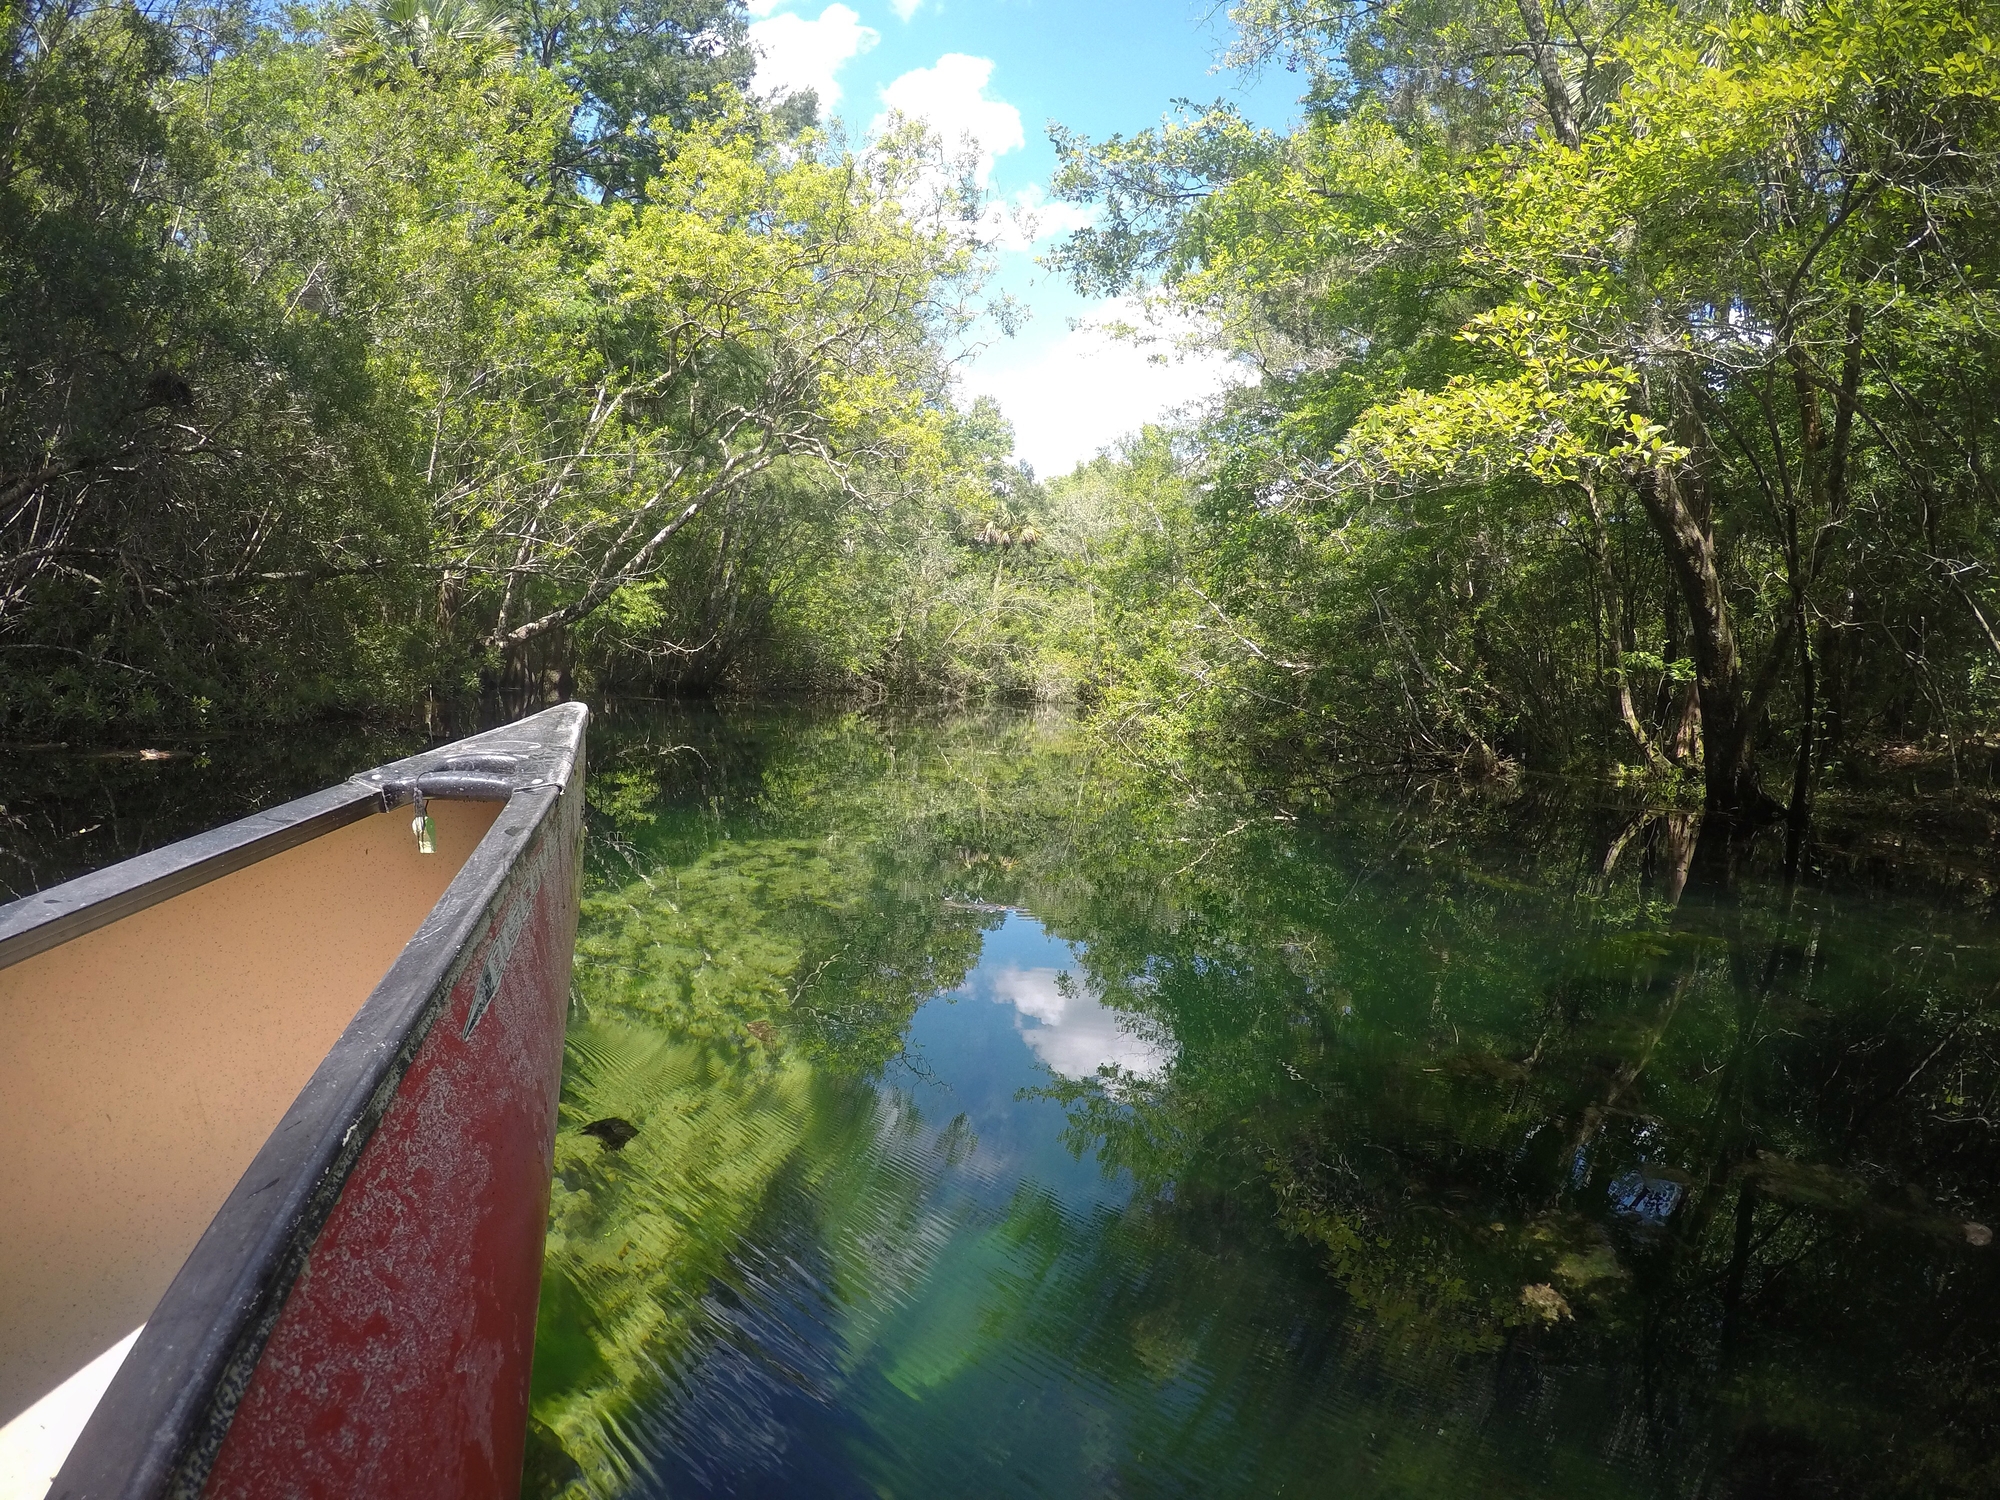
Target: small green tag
x=426, y=829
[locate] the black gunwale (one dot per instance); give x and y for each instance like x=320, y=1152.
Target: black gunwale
x=47, y=919
x=160, y=1423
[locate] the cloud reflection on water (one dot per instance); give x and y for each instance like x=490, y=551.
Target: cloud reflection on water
x=1073, y=1032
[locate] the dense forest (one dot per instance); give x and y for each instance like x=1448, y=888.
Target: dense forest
x=373, y=353
x=1619, y=385
x=1626, y=384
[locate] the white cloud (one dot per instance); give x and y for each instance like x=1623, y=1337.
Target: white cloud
x=951, y=95
x=904, y=9
x=794, y=53
x=1074, y=1033
x=1072, y=395
x=1026, y=219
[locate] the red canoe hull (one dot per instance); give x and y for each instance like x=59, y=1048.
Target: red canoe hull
x=399, y=1366
x=358, y=1317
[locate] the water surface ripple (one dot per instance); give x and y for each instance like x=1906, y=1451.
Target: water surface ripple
x=1009, y=1125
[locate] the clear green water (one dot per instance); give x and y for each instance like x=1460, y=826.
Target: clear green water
x=1007, y=1121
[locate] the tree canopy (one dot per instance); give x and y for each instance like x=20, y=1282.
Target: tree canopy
x=417, y=342
x=1618, y=385
x=1621, y=377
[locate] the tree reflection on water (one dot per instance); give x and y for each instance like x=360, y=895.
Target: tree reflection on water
x=1400, y=1146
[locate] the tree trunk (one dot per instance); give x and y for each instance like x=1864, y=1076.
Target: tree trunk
x=1824, y=484
x=1611, y=648
x=1732, y=793
x=1739, y=1265
x=1799, y=814
x=1557, y=96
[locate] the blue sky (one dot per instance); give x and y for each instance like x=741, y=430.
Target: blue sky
x=1002, y=70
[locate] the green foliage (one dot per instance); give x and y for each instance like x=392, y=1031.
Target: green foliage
x=1592, y=345
x=417, y=344
x=187, y=477
x=641, y=70
x=1620, y=397
x=431, y=35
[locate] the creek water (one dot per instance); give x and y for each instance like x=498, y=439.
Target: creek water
x=1007, y=1120
x=952, y=1108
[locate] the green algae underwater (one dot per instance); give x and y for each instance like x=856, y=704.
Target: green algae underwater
x=952, y=1109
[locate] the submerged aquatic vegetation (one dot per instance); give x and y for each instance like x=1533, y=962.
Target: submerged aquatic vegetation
x=715, y=982
x=1003, y=1120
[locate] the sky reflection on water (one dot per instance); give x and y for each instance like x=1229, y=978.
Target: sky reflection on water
x=971, y=1305
x=813, y=1383
x=1072, y=1031
x=1428, y=1151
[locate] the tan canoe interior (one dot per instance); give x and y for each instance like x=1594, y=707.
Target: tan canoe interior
x=145, y=1063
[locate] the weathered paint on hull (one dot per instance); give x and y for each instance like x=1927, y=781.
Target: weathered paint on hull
x=399, y=1366
x=358, y=1318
